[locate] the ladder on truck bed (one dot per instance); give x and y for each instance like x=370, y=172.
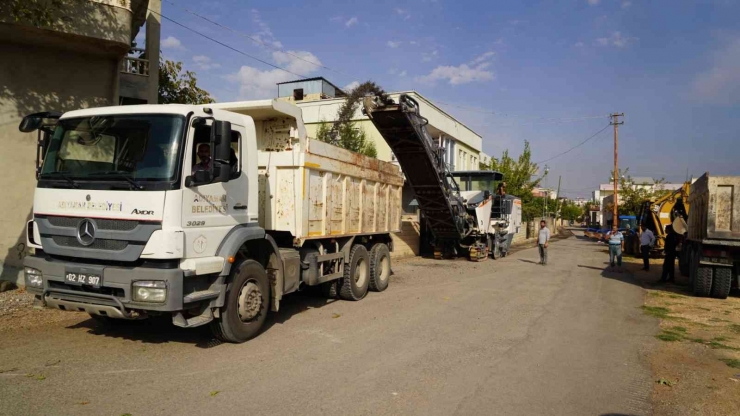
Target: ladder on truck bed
x=436, y=191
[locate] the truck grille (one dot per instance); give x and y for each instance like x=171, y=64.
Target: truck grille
x=99, y=244
x=103, y=224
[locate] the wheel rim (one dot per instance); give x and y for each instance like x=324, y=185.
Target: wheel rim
x=360, y=273
x=385, y=268
x=250, y=301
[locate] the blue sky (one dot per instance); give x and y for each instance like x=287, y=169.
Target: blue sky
x=548, y=72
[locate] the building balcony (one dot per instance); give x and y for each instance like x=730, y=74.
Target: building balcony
x=135, y=65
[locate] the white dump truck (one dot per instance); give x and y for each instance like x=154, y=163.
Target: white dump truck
x=208, y=213
x=711, y=253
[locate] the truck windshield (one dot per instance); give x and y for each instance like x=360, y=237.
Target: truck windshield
x=476, y=183
x=140, y=147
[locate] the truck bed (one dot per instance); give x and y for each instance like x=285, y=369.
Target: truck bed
x=714, y=217
x=313, y=189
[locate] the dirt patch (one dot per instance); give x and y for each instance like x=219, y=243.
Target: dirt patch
x=17, y=312
x=697, y=365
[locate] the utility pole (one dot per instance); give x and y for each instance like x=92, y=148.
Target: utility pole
x=557, y=201
x=615, y=122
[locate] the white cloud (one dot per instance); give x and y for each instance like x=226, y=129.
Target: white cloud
x=616, y=39
x=578, y=44
x=514, y=22
x=720, y=84
x=413, y=42
x=402, y=73
x=427, y=57
x=457, y=75
x=482, y=58
x=203, y=62
x=257, y=84
x=172, y=42
x=352, y=21
x=475, y=70
x=264, y=35
x=337, y=19
x=593, y=2
x=352, y=85
x=394, y=44
x=301, y=62
x=403, y=13
x=626, y=4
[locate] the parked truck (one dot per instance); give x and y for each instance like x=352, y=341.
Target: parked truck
x=209, y=214
x=711, y=253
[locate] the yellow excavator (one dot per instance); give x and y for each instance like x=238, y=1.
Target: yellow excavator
x=657, y=213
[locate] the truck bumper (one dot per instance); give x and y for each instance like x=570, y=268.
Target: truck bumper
x=115, y=296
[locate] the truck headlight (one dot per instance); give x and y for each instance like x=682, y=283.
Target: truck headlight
x=34, y=277
x=150, y=291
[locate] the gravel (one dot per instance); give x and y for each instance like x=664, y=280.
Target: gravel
x=17, y=312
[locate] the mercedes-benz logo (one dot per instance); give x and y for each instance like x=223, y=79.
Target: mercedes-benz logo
x=86, y=232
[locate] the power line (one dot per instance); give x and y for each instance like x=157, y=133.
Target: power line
x=257, y=40
x=226, y=46
x=578, y=145
x=496, y=113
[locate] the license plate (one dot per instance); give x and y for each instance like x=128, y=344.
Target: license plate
x=87, y=279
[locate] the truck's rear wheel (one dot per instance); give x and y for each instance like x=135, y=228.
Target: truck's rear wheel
x=380, y=267
x=246, y=304
x=703, y=281
x=356, y=278
x=722, y=282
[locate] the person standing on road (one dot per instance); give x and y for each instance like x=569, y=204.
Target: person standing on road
x=543, y=241
x=616, y=245
x=647, y=239
x=669, y=263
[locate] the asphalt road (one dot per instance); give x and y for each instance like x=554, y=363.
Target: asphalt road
x=448, y=337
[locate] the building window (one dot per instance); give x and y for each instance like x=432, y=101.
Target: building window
x=298, y=94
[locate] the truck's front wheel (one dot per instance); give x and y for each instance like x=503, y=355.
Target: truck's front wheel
x=246, y=304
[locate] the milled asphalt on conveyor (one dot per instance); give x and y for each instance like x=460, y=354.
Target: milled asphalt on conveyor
x=448, y=337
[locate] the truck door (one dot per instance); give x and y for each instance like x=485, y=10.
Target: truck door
x=211, y=210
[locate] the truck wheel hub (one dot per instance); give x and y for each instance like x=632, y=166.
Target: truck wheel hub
x=250, y=302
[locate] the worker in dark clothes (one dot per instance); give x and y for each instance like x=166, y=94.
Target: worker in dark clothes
x=671, y=242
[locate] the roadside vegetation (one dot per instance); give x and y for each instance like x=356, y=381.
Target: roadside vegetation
x=696, y=362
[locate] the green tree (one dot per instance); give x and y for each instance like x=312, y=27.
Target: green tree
x=571, y=211
x=176, y=87
x=520, y=181
x=39, y=13
x=350, y=136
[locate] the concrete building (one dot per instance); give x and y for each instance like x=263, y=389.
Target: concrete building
x=77, y=61
x=544, y=193
x=581, y=202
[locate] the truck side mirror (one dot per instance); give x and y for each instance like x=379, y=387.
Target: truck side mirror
x=221, y=144
x=31, y=122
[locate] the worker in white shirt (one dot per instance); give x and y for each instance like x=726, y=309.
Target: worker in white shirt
x=647, y=240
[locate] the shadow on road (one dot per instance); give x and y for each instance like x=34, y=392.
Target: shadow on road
x=159, y=329
x=529, y=261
